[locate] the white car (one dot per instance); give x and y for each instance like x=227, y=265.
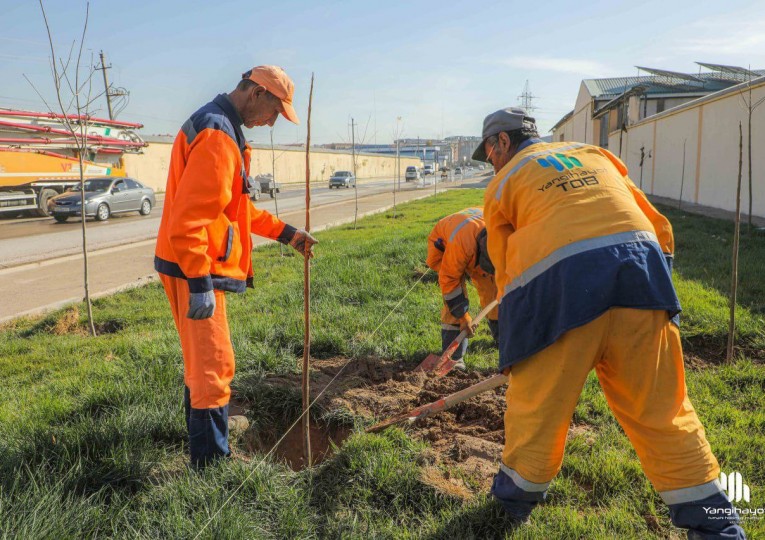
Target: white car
x=412, y=173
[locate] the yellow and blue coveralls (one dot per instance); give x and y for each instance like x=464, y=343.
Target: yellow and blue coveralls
x=453, y=252
x=583, y=269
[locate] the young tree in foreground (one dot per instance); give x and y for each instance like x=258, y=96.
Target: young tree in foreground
x=76, y=90
x=736, y=236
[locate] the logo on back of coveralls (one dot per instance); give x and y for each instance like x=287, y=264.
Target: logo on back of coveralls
x=574, y=176
x=736, y=490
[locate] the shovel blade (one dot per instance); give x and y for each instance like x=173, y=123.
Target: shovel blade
x=445, y=367
x=429, y=364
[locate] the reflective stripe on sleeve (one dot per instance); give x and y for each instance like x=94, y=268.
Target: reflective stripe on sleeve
x=476, y=215
x=521, y=482
x=445, y=326
x=454, y=294
x=689, y=494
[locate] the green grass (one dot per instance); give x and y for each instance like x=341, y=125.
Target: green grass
x=92, y=431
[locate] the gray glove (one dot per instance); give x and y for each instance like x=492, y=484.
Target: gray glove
x=201, y=305
x=302, y=242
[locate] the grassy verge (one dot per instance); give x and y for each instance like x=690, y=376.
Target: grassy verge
x=92, y=431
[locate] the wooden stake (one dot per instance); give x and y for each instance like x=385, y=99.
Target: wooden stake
x=736, y=235
x=307, y=292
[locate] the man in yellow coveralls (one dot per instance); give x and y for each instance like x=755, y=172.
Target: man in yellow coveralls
x=583, y=270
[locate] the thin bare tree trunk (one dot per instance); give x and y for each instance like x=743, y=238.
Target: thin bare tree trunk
x=355, y=180
x=736, y=235
x=307, y=294
x=80, y=139
x=85, y=269
x=749, y=156
x=273, y=177
x=682, y=178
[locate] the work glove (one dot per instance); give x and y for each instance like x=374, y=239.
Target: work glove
x=466, y=325
x=302, y=242
x=201, y=305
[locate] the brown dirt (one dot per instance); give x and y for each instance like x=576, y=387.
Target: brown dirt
x=466, y=441
x=290, y=449
x=68, y=324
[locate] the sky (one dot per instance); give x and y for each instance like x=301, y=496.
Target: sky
x=425, y=69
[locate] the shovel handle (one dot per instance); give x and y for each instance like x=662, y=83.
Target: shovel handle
x=441, y=404
x=456, y=343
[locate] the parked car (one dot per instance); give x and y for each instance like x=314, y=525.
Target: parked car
x=342, y=179
x=253, y=186
x=458, y=170
x=268, y=185
x=428, y=169
x=103, y=197
x=412, y=173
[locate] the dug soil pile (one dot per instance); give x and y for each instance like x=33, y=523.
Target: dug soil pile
x=466, y=441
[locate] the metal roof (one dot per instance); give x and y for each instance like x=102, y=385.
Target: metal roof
x=733, y=70
x=612, y=87
x=671, y=75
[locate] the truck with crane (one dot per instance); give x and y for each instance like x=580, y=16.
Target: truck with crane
x=39, y=158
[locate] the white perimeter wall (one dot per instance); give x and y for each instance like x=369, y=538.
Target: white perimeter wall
x=151, y=167
x=709, y=128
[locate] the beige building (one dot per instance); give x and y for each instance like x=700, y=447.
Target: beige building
x=677, y=133
x=151, y=167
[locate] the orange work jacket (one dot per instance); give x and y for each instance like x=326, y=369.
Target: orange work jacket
x=204, y=235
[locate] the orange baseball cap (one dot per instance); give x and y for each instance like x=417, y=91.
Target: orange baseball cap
x=276, y=81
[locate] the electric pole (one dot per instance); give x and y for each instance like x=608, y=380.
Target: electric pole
x=110, y=92
x=526, y=99
x=103, y=69
x=355, y=180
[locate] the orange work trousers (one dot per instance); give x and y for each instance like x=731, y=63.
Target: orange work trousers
x=208, y=356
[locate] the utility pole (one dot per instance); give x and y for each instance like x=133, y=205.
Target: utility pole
x=435, y=175
x=526, y=99
x=110, y=92
x=103, y=69
x=355, y=180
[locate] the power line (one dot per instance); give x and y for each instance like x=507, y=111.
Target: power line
x=526, y=99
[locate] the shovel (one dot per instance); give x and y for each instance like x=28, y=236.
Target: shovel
x=443, y=364
x=442, y=404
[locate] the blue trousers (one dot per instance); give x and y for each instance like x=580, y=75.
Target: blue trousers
x=710, y=518
x=208, y=432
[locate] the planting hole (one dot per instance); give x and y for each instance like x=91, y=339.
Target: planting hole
x=324, y=439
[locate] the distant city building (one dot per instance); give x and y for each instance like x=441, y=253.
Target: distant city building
x=441, y=153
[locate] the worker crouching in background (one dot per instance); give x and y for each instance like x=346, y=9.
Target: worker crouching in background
x=457, y=250
x=583, y=265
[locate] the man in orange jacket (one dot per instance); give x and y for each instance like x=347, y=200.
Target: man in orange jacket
x=456, y=250
x=203, y=245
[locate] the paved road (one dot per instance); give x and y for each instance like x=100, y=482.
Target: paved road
x=39, y=286
x=30, y=240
